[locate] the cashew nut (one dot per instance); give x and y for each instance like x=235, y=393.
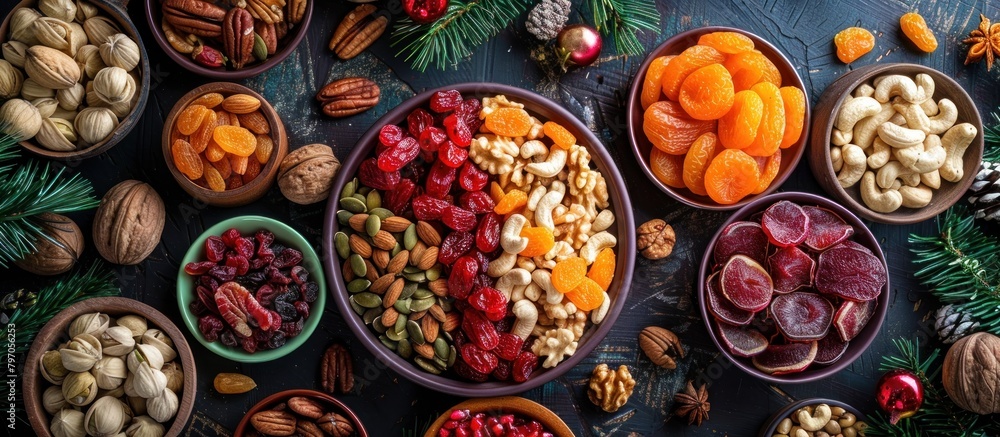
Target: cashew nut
x=916, y=197
x=597, y=316
x=543, y=212
x=510, y=237
x=533, y=148
x=853, y=111
x=603, y=221
x=878, y=200
x=880, y=154
x=864, y=90
x=896, y=85
x=898, y=136
x=502, y=264
x=955, y=141
x=897, y=119
x=914, y=116
x=799, y=432
x=543, y=278
x=922, y=159
x=526, y=263
x=931, y=179
x=560, y=251
x=817, y=420
x=865, y=130
x=595, y=244
x=891, y=171
x=839, y=138
x=836, y=158
x=854, y=165
x=532, y=292
x=535, y=195
x=552, y=165
x=944, y=119
x=509, y=280
x=925, y=83
x=526, y=314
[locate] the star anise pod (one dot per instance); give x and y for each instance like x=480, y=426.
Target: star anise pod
x=984, y=42
x=693, y=404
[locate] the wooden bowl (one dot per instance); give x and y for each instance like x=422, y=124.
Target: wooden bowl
x=291, y=42
x=822, y=127
x=245, y=428
x=623, y=228
x=506, y=405
x=115, y=9
x=772, y=422
x=641, y=146
x=268, y=172
x=54, y=333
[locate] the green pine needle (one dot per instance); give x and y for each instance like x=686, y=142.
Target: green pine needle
x=453, y=37
x=991, y=133
x=623, y=19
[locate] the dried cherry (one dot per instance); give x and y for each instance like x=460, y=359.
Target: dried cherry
x=488, y=232
x=471, y=177
x=432, y=138
x=370, y=175
x=390, y=134
x=398, y=198
x=444, y=101
x=459, y=219
x=439, y=180
x=458, y=131
x=524, y=365
x=210, y=326
x=482, y=361
x=395, y=158
x=479, y=329
x=215, y=249
x=428, y=208
x=455, y=245
x=477, y=201
x=417, y=121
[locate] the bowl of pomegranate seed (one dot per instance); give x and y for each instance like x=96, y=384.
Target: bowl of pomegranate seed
x=479, y=240
x=251, y=289
x=505, y=416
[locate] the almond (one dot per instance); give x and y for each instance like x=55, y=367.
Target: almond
x=438, y=313
x=360, y=246
x=417, y=252
x=347, y=271
x=430, y=328
x=256, y=122
x=428, y=234
x=241, y=104
x=380, y=258
x=371, y=273
x=425, y=350
x=389, y=317
x=384, y=240
x=357, y=222
x=392, y=294
x=416, y=316
x=395, y=224
x=428, y=258
x=381, y=284
x=439, y=287
x=398, y=262
x=452, y=322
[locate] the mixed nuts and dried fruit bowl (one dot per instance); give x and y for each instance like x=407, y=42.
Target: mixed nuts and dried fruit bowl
x=479, y=240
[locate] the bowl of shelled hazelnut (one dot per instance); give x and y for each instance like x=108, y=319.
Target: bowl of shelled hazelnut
x=75, y=76
x=109, y=365
x=228, y=40
x=815, y=417
x=300, y=412
x=223, y=143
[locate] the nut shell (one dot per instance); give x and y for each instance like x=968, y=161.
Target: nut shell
x=51, y=68
x=306, y=175
x=58, y=253
x=129, y=222
x=971, y=373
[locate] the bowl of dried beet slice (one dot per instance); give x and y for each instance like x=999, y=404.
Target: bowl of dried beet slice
x=465, y=217
x=793, y=288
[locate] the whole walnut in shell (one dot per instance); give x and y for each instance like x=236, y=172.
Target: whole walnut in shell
x=971, y=373
x=58, y=250
x=129, y=222
x=306, y=175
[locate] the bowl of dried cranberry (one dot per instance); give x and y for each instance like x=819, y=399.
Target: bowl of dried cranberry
x=251, y=289
x=505, y=416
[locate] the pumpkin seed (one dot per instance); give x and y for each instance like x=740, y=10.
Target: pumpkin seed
x=441, y=347
x=378, y=326
x=395, y=249
x=353, y=204
x=358, y=265
x=445, y=304
x=440, y=363
x=384, y=338
x=374, y=199
x=400, y=324
x=344, y=217
x=362, y=198
x=433, y=273
x=404, y=349
x=408, y=289
x=373, y=224
x=363, y=190
x=410, y=237
x=418, y=305
x=370, y=315
x=416, y=334
x=341, y=242
x=357, y=308
x=452, y=354
x=422, y=293
x=358, y=285
x=368, y=299
x=349, y=188
x=427, y=365
x=402, y=306
x=382, y=213
x=396, y=335
x=411, y=269
x=415, y=277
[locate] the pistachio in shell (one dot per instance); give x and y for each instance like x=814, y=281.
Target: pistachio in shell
x=31, y=90
x=67, y=423
x=89, y=59
x=175, y=376
x=64, y=10
x=85, y=10
x=144, y=426
x=136, y=404
x=53, y=400
x=20, y=25
x=144, y=353
x=95, y=125
x=14, y=52
x=51, y=68
x=106, y=417
x=99, y=29
x=110, y=372
x=54, y=33
x=59, y=248
x=56, y=134
x=161, y=341
x=147, y=382
x=114, y=85
x=136, y=324
x=79, y=388
x=89, y=323
x=20, y=119
x=51, y=367
x=129, y=222
x=117, y=341
x=81, y=353
x=71, y=98
x=46, y=107
x=11, y=80
x=120, y=51
x=162, y=407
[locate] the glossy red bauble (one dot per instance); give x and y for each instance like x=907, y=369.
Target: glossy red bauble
x=425, y=11
x=578, y=44
x=900, y=393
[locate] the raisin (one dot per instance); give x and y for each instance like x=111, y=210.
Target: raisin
x=303, y=308
x=488, y=233
x=471, y=177
x=198, y=268
x=504, y=324
x=300, y=274
x=481, y=332
x=444, y=101
x=208, y=282
x=502, y=372
x=262, y=335
x=482, y=258
x=439, y=180
x=432, y=138
x=197, y=308
x=210, y=326
x=524, y=365
x=462, y=276
x=239, y=262
x=310, y=291
x=223, y=273
x=266, y=294
x=458, y=219
x=428, y=208
x=482, y=361
x=256, y=278
x=287, y=258
x=286, y=311
x=453, y=155
x=465, y=371
x=482, y=280
x=228, y=338
x=454, y=246
x=215, y=248
x=370, y=175
x=398, y=198
x=458, y=131
x=509, y=347
x=395, y=158
x=277, y=340
x=390, y=135
x=418, y=120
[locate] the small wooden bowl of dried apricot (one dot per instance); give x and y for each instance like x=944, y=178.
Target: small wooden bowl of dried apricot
x=717, y=117
x=223, y=143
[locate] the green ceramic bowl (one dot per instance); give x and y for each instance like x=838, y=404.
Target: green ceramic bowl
x=286, y=236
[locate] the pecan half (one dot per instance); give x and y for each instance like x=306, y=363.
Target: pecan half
x=357, y=32
x=267, y=33
x=337, y=370
x=295, y=11
x=237, y=35
x=335, y=425
x=268, y=11
x=348, y=96
x=305, y=407
x=273, y=422
x=661, y=346
x=195, y=17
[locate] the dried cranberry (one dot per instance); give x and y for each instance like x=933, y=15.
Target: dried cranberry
x=303, y=308
x=277, y=340
x=458, y=219
x=292, y=329
x=469, y=110
x=207, y=298
x=444, y=101
x=439, y=180
x=249, y=344
x=398, y=198
x=210, y=326
x=255, y=278
x=482, y=361
x=418, y=120
x=525, y=363
x=198, y=268
x=215, y=249
x=264, y=239
x=395, y=158
x=287, y=258
x=274, y=276
x=465, y=371
x=490, y=301
x=462, y=277
x=262, y=260
x=230, y=236
x=228, y=338
x=208, y=282
x=452, y=155
x=428, y=208
x=197, y=308
x=239, y=262
x=310, y=291
x=477, y=201
x=471, y=177
x=455, y=245
x=509, y=347
x=488, y=233
x=482, y=280
x=502, y=372
x=479, y=330
x=458, y=131
x=262, y=335
x=390, y=135
x=266, y=294
x=223, y=273
x=432, y=138
x=371, y=176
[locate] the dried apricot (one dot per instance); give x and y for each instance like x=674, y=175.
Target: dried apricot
x=651, y=84
x=794, y=101
x=213, y=152
x=214, y=180
x=201, y=137
x=569, y=273
x=238, y=163
x=190, y=119
x=670, y=129
x=186, y=159
x=768, y=168
x=223, y=167
x=559, y=134
x=540, y=241
x=209, y=100
x=738, y=128
x=496, y=192
x=727, y=42
x=586, y=296
x=731, y=176
x=264, y=148
x=235, y=140
x=915, y=28
x=772, y=121
x=687, y=62
x=667, y=168
x=696, y=161
x=511, y=201
x=602, y=271
x=750, y=68
x=707, y=94
x=509, y=122
x=252, y=170
x=853, y=43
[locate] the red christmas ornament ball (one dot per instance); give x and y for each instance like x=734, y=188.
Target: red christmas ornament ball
x=900, y=393
x=578, y=44
x=425, y=11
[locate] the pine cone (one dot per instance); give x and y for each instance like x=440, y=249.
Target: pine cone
x=985, y=192
x=952, y=324
x=547, y=18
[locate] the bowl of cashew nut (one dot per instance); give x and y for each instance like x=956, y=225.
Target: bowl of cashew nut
x=896, y=143
x=815, y=417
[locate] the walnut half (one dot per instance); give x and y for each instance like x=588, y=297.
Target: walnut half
x=610, y=389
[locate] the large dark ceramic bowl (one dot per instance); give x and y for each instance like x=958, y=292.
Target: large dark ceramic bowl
x=822, y=127
x=245, y=429
x=769, y=427
x=624, y=228
x=641, y=146
x=857, y=346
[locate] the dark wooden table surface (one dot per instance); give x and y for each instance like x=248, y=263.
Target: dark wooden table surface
x=662, y=292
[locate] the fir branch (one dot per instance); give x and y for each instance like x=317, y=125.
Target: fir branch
x=991, y=134
x=463, y=27
x=623, y=19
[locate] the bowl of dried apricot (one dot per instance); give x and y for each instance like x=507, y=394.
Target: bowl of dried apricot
x=716, y=117
x=479, y=240
x=223, y=144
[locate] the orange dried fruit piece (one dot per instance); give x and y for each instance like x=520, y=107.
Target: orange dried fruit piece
x=652, y=83
x=687, y=62
x=509, y=122
x=496, y=192
x=731, y=176
x=559, y=134
x=238, y=163
x=696, y=162
x=768, y=168
x=511, y=201
x=586, y=296
x=209, y=100
x=252, y=170
x=667, y=168
x=602, y=271
x=750, y=68
x=738, y=128
x=213, y=152
x=186, y=159
x=853, y=43
x=265, y=146
x=569, y=273
x=201, y=137
x=794, y=101
x=213, y=179
x=540, y=241
x=915, y=28
x=707, y=93
x=772, y=121
x=190, y=119
x=727, y=42
x=235, y=140
x=223, y=167
x=670, y=129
